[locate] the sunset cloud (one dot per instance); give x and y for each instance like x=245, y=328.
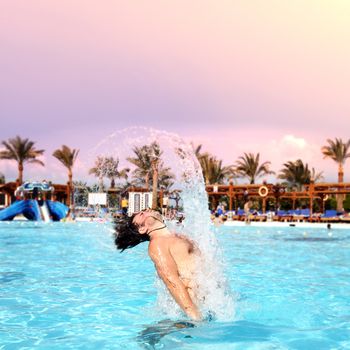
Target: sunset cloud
x=278, y=151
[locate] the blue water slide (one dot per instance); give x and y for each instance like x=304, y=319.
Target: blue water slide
x=32, y=211
x=57, y=210
x=29, y=208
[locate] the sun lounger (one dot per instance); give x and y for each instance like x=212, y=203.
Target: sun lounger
x=305, y=213
x=284, y=215
x=330, y=216
x=259, y=217
x=300, y=215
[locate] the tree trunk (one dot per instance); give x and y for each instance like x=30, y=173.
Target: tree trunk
x=68, y=193
x=147, y=181
x=155, y=185
x=100, y=184
x=70, y=184
x=20, y=173
x=340, y=173
x=177, y=200
x=70, y=178
x=340, y=197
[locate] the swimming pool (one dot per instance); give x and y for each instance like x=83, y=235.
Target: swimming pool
x=63, y=286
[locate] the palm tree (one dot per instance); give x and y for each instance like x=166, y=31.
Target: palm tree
x=165, y=177
x=249, y=166
x=22, y=151
x=200, y=155
x=99, y=170
x=197, y=150
x=338, y=151
x=67, y=157
x=213, y=170
x=112, y=172
x=142, y=162
x=296, y=174
x=316, y=177
x=155, y=157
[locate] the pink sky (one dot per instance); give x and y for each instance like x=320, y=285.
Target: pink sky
x=237, y=76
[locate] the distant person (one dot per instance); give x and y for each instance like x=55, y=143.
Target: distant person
x=219, y=209
x=245, y=196
x=217, y=220
x=165, y=203
x=247, y=207
x=170, y=214
x=175, y=256
x=125, y=205
x=70, y=217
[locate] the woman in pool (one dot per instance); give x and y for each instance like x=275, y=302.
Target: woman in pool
x=174, y=256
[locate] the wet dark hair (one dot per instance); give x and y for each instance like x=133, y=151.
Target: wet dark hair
x=126, y=234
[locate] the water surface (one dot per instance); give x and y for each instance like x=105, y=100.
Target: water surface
x=63, y=286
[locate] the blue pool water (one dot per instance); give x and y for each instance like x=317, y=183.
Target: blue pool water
x=63, y=286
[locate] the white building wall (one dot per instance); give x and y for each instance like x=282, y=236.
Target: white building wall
x=139, y=201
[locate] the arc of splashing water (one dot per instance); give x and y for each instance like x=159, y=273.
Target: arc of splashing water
x=195, y=202
x=193, y=195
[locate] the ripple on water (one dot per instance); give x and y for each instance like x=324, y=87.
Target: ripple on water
x=9, y=276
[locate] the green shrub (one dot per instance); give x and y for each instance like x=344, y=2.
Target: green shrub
x=346, y=203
